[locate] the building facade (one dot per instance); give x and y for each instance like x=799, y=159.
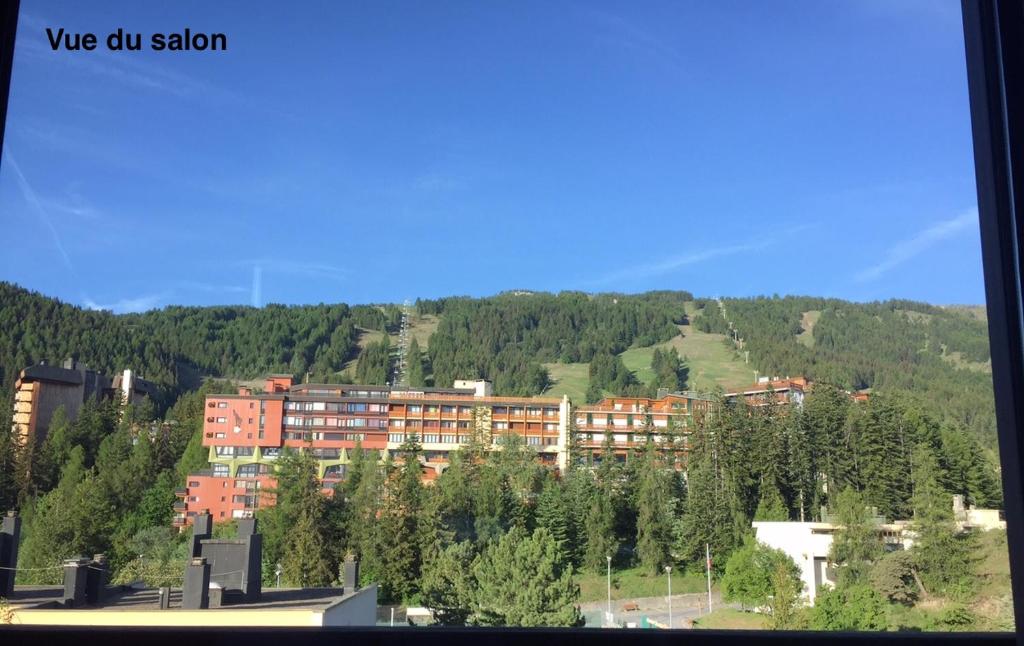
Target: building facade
x=629, y=420
x=783, y=390
x=40, y=390
x=246, y=432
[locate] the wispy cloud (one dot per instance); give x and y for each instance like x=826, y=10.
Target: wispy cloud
x=903, y=251
x=257, y=286
x=30, y=196
x=191, y=285
x=127, y=305
x=616, y=30
x=677, y=262
x=694, y=257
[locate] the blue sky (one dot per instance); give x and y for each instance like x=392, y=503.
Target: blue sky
x=373, y=152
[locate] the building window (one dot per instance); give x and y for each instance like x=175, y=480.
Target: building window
x=193, y=483
x=220, y=470
x=220, y=436
x=447, y=409
x=499, y=410
x=431, y=438
x=396, y=437
x=415, y=408
x=533, y=441
x=251, y=470
x=501, y=426
x=448, y=439
x=222, y=420
x=222, y=404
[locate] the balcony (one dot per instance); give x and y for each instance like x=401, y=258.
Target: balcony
x=181, y=492
x=180, y=505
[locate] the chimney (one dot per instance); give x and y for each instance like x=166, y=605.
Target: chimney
x=244, y=392
x=75, y=574
x=202, y=529
x=246, y=527
x=350, y=580
x=253, y=576
x=97, y=575
x=10, y=532
x=195, y=593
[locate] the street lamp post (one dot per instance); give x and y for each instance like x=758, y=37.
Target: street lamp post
x=277, y=571
x=668, y=571
x=609, y=559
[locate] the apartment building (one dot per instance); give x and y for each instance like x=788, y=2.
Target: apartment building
x=40, y=390
x=246, y=432
x=784, y=390
x=630, y=419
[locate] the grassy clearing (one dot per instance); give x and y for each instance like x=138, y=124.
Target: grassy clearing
x=729, y=619
x=421, y=327
x=570, y=379
x=635, y=582
x=956, y=359
x=712, y=364
x=807, y=322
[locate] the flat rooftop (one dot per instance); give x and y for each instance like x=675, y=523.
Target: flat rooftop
x=122, y=598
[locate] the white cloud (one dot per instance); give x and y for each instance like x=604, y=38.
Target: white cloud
x=127, y=305
x=903, y=251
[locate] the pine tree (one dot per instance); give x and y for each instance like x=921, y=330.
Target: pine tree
x=523, y=581
x=944, y=557
x=416, y=376
x=654, y=511
x=708, y=518
x=771, y=507
x=399, y=555
x=297, y=533
x=599, y=528
x=553, y=515
x=826, y=447
x=857, y=543
x=884, y=445
x=448, y=585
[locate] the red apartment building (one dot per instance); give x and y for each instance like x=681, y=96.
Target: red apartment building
x=246, y=432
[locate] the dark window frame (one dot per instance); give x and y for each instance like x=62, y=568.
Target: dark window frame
x=994, y=39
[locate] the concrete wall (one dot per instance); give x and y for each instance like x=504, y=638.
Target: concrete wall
x=802, y=542
x=360, y=609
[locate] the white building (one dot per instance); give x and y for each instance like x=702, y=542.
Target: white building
x=808, y=544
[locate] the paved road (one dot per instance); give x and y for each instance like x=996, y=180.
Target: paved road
x=685, y=607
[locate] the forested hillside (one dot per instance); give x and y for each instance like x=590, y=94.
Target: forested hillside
x=936, y=355
x=615, y=343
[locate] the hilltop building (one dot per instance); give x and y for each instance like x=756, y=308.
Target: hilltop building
x=40, y=390
x=246, y=432
x=784, y=391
